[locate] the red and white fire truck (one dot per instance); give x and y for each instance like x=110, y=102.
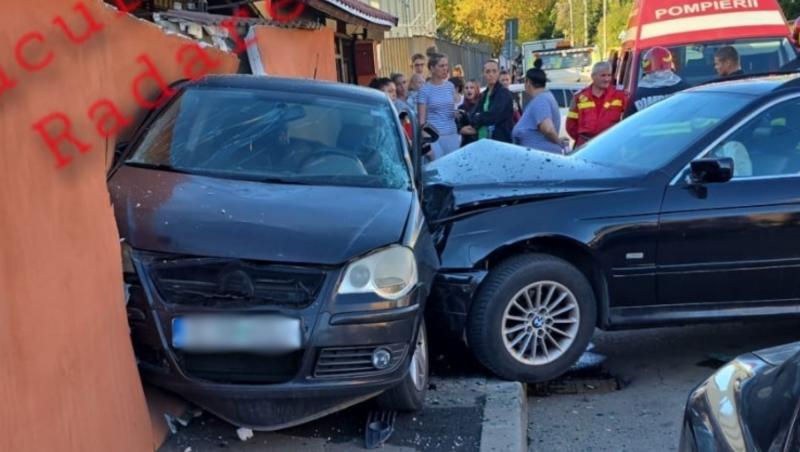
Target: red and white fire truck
x=694, y=30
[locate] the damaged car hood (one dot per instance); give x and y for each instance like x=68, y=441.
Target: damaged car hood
x=204, y=216
x=489, y=172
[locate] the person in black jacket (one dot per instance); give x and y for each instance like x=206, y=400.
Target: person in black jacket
x=472, y=92
x=493, y=115
x=727, y=63
x=659, y=82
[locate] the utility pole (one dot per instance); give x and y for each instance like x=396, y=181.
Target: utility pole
x=605, y=28
x=585, y=23
x=571, y=26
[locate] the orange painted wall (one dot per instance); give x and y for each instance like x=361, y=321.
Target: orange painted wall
x=68, y=380
x=295, y=53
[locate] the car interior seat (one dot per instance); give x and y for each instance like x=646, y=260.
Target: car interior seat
x=773, y=144
x=787, y=142
x=742, y=164
x=333, y=164
x=351, y=136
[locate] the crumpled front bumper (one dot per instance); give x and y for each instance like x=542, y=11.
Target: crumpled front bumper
x=451, y=299
x=295, y=389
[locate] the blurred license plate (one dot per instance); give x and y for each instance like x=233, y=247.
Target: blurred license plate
x=215, y=333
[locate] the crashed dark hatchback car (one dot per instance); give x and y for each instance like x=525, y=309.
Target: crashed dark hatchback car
x=688, y=211
x=750, y=404
x=276, y=255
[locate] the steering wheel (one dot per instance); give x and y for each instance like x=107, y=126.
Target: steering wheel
x=347, y=164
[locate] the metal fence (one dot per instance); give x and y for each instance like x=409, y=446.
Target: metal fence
x=395, y=54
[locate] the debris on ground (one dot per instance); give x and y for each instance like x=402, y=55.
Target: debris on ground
x=244, y=433
x=380, y=426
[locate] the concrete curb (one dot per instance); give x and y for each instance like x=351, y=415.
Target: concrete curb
x=505, y=417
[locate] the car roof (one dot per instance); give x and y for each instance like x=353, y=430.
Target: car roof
x=755, y=85
x=307, y=86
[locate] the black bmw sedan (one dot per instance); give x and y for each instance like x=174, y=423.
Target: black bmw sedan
x=686, y=212
x=276, y=254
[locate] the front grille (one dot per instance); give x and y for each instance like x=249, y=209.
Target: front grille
x=241, y=368
x=234, y=283
x=355, y=361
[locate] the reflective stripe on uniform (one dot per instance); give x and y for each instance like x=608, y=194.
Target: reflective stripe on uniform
x=582, y=105
x=616, y=103
x=572, y=114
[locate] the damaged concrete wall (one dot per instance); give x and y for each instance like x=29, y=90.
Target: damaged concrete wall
x=297, y=53
x=68, y=380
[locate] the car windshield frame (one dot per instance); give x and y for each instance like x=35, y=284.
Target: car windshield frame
x=663, y=132
x=709, y=48
x=395, y=169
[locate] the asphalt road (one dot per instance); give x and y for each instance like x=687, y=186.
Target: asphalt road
x=634, y=401
x=451, y=421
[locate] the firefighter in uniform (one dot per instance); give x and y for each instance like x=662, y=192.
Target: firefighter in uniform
x=596, y=107
x=659, y=82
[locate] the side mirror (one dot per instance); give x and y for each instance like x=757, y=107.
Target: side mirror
x=711, y=170
x=429, y=134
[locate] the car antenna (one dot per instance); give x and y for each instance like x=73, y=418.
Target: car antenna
x=316, y=65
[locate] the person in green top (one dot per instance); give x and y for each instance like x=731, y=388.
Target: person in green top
x=493, y=115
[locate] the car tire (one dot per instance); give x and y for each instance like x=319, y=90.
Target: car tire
x=546, y=332
x=409, y=395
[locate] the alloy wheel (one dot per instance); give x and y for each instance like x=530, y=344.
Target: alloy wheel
x=540, y=323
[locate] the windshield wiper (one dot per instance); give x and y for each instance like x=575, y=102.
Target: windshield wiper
x=278, y=180
x=158, y=166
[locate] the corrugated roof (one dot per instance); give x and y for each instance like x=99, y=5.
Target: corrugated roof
x=217, y=19
x=360, y=10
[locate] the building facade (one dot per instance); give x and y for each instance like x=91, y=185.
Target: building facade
x=415, y=32
x=322, y=39
x=415, y=17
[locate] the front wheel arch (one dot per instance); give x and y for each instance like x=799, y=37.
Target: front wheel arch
x=566, y=248
x=489, y=325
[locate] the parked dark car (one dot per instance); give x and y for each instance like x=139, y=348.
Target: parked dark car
x=277, y=257
x=686, y=212
x=749, y=404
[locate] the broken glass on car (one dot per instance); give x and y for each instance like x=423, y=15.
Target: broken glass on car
x=277, y=137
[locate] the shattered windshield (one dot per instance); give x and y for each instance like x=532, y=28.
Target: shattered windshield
x=277, y=137
x=658, y=134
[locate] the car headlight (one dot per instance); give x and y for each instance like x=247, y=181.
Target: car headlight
x=390, y=273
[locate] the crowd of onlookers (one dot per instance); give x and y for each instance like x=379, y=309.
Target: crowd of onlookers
x=463, y=111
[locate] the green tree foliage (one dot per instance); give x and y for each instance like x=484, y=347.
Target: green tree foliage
x=484, y=20
x=791, y=9
x=617, y=13
x=616, y=22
